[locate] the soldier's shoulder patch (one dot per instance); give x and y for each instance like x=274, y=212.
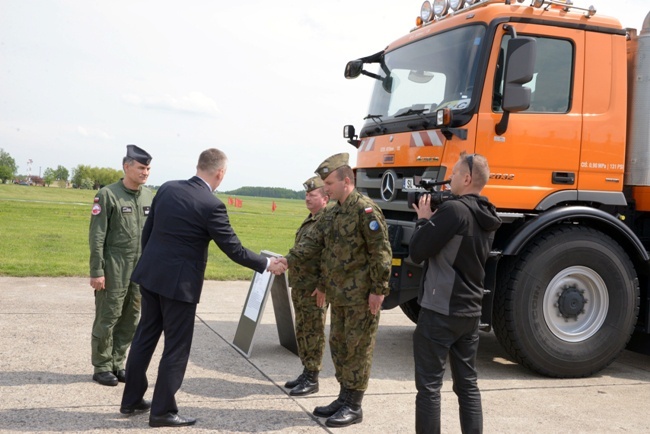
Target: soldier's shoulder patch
x=97, y=209
x=373, y=225
x=368, y=210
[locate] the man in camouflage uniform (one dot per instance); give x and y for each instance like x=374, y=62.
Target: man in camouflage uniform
x=118, y=215
x=355, y=269
x=308, y=303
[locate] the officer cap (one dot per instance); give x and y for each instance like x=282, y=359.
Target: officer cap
x=138, y=154
x=313, y=183
x=331, y=164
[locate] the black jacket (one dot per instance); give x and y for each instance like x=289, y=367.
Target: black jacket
x=184, y=217
x=455, y=243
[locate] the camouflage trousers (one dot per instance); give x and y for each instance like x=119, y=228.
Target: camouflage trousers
x=310, y=328
x=117, y=312
x=352, y=341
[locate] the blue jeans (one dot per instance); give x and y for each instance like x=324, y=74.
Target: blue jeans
x=436, y=337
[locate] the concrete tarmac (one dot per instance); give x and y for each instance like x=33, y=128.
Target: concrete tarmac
x=46, y=385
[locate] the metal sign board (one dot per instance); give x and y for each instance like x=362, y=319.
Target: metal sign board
x=261, y=285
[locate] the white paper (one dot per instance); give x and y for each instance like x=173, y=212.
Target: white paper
x=260, y=282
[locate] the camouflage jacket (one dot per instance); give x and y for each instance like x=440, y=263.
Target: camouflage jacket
x=356, y=255
x=304, y=274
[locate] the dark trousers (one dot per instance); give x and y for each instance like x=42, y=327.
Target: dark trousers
x=176, y=319
x=436, y=337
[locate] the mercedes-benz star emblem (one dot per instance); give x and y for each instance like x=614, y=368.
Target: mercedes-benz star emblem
x=388, y=189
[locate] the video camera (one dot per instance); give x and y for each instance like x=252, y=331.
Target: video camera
x=437, y=197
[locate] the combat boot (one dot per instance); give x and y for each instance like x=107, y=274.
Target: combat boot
x=293, y=383
x=350, y=413
x=333, y=407
x=308, y=385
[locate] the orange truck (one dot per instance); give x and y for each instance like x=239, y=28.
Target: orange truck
x=558, y=100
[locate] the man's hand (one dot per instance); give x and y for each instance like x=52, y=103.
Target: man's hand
x=320, y=297
x=374, y=302
x=98, y=283
x=423, y=208
x=277, y=266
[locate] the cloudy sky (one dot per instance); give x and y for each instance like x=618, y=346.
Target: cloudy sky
x=263, y=81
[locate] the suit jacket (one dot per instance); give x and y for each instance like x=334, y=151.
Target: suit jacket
x=184, y=217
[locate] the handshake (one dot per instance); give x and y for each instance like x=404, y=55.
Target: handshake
x=278, y=266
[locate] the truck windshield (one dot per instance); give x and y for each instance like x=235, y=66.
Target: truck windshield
x=428, y=74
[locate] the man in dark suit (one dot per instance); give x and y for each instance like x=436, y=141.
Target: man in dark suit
x=184, y=217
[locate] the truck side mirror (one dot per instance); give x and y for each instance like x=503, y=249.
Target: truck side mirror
x=520, y=68
x=353, y=68
x=350, y=134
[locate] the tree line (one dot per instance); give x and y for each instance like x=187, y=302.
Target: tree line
x=82, y=176
x=273, y=192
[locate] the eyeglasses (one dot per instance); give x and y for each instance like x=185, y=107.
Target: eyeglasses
x=470, y=163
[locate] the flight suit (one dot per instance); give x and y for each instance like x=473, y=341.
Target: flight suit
x=118, y=216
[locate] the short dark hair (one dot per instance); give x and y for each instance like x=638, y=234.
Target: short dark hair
x=211, y=160
x=343, y=172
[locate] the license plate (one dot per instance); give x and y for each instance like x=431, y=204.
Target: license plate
x=409, y=184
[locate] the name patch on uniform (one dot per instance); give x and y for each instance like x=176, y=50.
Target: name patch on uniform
x=368, y=210
x=127, y=210
x=96, y=209
x=146, y=210
x=373, y=225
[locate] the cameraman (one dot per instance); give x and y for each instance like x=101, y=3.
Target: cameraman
x=454, y=241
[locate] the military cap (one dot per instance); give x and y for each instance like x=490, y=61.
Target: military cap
x=138, y=154
x=331, y=164
x=313, y=183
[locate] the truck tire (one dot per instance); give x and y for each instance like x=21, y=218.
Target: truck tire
x=569, y=303
x=411, y=309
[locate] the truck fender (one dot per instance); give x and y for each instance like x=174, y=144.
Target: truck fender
x=579, y=214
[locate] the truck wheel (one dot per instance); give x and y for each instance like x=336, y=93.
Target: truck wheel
x=411, y=309
x=570, y=303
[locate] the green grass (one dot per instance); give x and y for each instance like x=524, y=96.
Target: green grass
x=44, y=231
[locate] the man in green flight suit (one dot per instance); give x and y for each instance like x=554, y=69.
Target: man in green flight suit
x=352, y=241
x=118, y=215
x=308, y=302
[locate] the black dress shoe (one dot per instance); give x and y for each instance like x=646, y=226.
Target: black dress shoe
x=121, y=375
x=140, y=407
x=105, y=378
x=170, y=419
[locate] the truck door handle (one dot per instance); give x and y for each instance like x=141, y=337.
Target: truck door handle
x=568, y=178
